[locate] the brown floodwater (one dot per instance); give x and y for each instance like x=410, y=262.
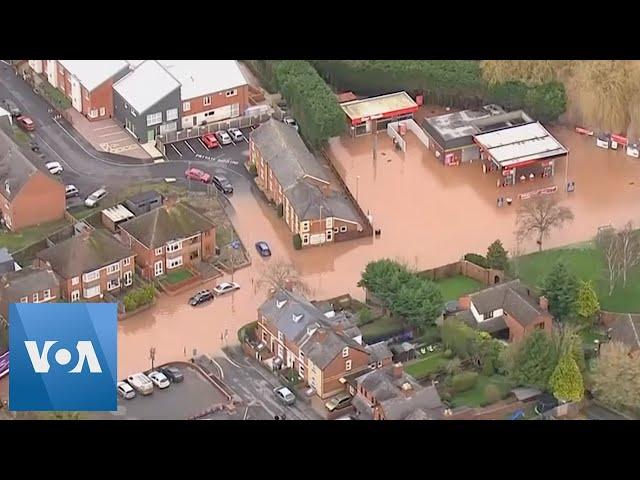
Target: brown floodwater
x=429, y=215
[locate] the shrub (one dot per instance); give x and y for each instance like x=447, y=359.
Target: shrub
x=453, y=366
x=247, y=331
x=139, y=297
x=488, y=369
x=477, y=259
x=445, y=396
x=364, y=316
x=430, y=335
x=492, y=393
x=130, y=302
x=464, y=381
x=280, y=210
x=297, y=242
x=448, y=353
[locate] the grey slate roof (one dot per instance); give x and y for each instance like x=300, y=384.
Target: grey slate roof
x=626, y=329
x=426, y=399
x=84, y=253
x=379, y=351
x=26, y=281
x=362, y=406
x=15, y=167
x=144, y=196
x=161, y=225
x=325, y=345
x=309, y=203
x=513, y=297
x=492, y=325
x=283, y=318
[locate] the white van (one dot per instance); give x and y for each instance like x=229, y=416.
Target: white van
x=141, y=383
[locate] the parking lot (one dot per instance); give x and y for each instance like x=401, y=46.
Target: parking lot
x=195, y=149
x=179, y=401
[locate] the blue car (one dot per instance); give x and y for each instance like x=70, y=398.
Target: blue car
x=263, y=249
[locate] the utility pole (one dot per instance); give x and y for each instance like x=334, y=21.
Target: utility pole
x=152, y=356
x=357, y=183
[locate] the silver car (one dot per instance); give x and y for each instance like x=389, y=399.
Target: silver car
x=126, y=391
x=236, y=134
x=223, y=137
x=285, y=395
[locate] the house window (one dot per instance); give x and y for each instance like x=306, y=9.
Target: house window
x=372, y=366
x=304, y=227
x=345, y=352
x=93, y=113
x=301, y=370
x=103, y=111
x=154, y=119
x=186, y=106
x=172, y=114
x=280, y=336
x=126, y=107
x=172, y=247
x=159, y=251
x=127, y=261
x=113, y=268
x=305, y=239
x=343, y=228
x=329, y=222
x=379, y=364
x=46, y=294
x=92, y=292
x=158, y=268
x=206, y=101
x=91, y=276
x=174, y=262
x=133, y=114
x=24, y=300
x=231, y=93
x=112, y=284
x=347, y=365
x=302, y=356
x=235, y=109
x=280, y=351
x=75, y=295
x=540, y=326
x=75, y=280
x=128, y=278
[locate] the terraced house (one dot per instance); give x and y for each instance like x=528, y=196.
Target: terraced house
x=89, y=265
x=169, y=237
x=29, y=285
x=312, y=204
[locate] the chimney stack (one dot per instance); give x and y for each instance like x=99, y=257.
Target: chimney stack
x=397, y=370
x=170, y=200
x=544, y=303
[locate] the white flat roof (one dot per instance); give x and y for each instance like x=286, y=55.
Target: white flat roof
x=523, y=143
x=93, y=73
x=118, y=213
x=201, y=77
x=146, y=85
x=371, y=107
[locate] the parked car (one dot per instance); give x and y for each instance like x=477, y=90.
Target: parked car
x=223, y=137
x=210, y=140
x=126, y=391
x=54, y=167
x=141, y=383
x=11, y=107
x=225, y=287
x=26, y=123
x=291, y=122
x=198, y=175
x=223, y=184
x=201, y=297
x=263, y=249
x=173, y=374
x=93, y=199
x=236, y=134
x=285, y=395
x=159, y=379
x=339, y=402
x=70, y=191
x=545, y=403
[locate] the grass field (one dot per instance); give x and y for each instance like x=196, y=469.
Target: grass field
x=453, y=288
x=29, y=236
x=382, y=326
x=176, y=276
x=426, y=366
x=474, y=397
x=588, y=264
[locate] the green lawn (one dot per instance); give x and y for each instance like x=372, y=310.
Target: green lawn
x=588, y=264
x=382, y=326
x=224, y=236
x=57, y=98
x=474, y=397
x=176, y=276
x=427, y=365
x=453, y=288
x=29, y=236
x=82, y=212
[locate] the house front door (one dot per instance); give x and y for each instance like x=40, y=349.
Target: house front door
x=158, y=268
x=151, y=135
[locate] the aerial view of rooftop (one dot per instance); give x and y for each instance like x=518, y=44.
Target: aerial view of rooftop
x=319, y=240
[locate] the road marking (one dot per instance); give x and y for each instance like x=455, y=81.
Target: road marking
x=190, y=147
x=234, y=143
x=58, y=155
x=245, y=139
x=112, y=134
x=232, y=362
x=177, y=151
x=104, y=128
x=219, y=368
x=5, y=62
x=202, y=143
x=246, y=412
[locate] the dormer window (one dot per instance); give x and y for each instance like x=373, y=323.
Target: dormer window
x=281, y=303
x=345, y=352
x=297, y=317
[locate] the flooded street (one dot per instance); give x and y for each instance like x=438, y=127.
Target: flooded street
x=429, y=215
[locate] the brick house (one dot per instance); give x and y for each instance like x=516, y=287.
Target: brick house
x=293, y=178
x=211, y=90
x=169, y=237
x=29, y=285
x=87, y=83
x=29, y=196
x=507, y=310
x=390, y=394
x=304, y=339
x=89, y=265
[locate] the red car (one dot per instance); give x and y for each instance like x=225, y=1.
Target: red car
x=197, y=174
x=26, y=123
x=210, y=140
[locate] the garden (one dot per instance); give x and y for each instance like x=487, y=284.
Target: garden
x=139, y=297
x=453, y=288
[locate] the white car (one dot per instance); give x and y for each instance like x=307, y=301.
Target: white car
x=223, y=137
x=93, y=199
x=141, y=383
x=71, y=191
x=159, y=379
x=291, y=122
x=54, y=167
x=126, y=391
x=225, y=287
x=236, y=134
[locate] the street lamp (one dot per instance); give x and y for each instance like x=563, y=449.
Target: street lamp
x=152, y=356
x=357, y=184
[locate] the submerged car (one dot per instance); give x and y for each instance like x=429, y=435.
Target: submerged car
x=201, y=297
x=173, y=374
x=225, y=287
x=263, y=249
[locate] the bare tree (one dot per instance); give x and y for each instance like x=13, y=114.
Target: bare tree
x=539, y=217
x=609, y=243
x=278, y=274
x=629, y=250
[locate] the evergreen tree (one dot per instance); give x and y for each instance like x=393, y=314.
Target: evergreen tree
x=561, y=289
x=587, y=302
x=534, y=360
x=497, y=256
x=566, y=382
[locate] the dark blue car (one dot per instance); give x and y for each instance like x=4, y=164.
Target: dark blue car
x=263, y=249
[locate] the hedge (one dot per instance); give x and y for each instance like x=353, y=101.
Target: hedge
x=477, y=259
x=463, y=381
x=139, y=297
x=297, y=241
x=247, y=331
x=456, y=83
